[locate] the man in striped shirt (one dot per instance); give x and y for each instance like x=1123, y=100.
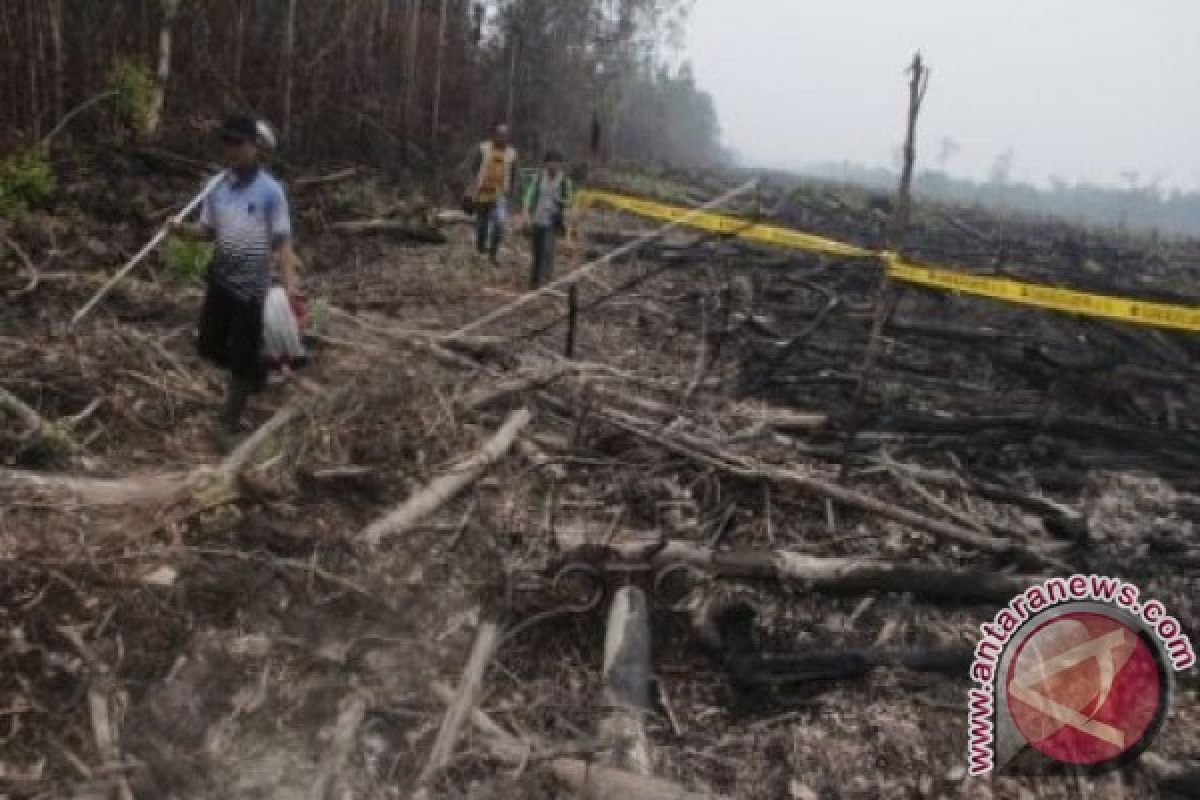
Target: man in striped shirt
x=247, y=218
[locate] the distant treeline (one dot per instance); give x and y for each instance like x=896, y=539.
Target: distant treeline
x=410, y=83
x=1146, y=208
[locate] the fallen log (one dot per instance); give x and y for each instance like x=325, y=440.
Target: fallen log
x=445, y=488
x=627, y=671
x=847, y=575
x=464, y=702
x=208, y=485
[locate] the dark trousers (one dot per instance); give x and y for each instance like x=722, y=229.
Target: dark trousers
x=545, y=240
x=489, y=228
x=231, y=338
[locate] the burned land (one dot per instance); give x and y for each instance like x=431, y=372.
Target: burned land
x=428, y=516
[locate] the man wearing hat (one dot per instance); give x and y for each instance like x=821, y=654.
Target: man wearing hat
x=247, y=218
x=493, y=173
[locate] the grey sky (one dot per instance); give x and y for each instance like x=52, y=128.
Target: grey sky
x=1079, y=89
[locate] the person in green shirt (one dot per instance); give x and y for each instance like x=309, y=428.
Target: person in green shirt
x=547, y=198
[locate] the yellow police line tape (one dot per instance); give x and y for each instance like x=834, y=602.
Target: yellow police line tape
x=1139, y=312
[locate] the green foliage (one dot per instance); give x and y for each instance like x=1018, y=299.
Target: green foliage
x=26, y=180
x=134, y=86
x=187, y=260
x=349, y=199
x=318, y=314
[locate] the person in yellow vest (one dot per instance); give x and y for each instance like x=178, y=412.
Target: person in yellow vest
x=493, y=176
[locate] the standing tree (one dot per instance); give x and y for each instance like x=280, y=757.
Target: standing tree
x=154, y=116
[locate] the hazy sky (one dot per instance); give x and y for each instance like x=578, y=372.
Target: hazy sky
x=1080, y=89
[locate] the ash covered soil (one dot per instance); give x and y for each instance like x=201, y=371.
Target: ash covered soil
x=173, y=624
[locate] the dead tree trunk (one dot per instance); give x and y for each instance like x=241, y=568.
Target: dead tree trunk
x=154, y=118
x=884, y=300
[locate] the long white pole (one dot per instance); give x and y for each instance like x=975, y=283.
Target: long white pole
x=145, y=251
x=573, y=277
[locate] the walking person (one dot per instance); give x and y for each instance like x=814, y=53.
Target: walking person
x=547, y=198
x=493, y=176
x=247, y=218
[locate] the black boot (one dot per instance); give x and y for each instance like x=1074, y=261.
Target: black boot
x=229, y=422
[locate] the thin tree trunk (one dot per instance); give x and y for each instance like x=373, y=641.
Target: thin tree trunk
x=410, y=87
x=56, y=23
x=169, y=9
x=35, y=106
x=239, y=46
x=289, y=52
x=437, y=82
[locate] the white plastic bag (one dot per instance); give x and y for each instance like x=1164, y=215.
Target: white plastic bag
x=281, y=334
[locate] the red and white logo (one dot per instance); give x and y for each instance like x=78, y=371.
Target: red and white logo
x=1085, y=688
x=1072, y=671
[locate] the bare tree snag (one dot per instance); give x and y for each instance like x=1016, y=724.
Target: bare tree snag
x=884, y=300
x=627, y=673
x=465, y=700
x=445, y=488
x=847, y=575
x=154, y=117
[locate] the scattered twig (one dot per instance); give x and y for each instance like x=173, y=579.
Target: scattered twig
x=29, y=267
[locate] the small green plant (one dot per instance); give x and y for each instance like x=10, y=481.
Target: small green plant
x=318, y=314
x=351, y=198
x=187, y=260
x=134, y=86
x=26, y=180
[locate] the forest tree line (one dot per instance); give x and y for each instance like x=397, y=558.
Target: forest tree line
x=398, y=83
x=1138, y=206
